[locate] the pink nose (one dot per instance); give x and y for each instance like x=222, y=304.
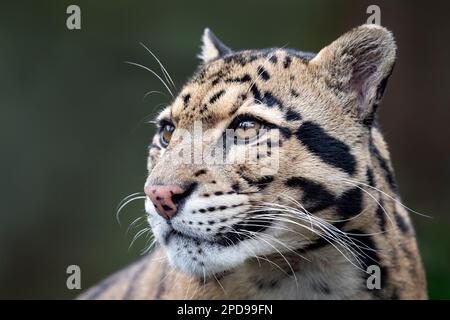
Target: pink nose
x=162, y=198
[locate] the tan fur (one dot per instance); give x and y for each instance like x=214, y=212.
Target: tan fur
x=338, y=90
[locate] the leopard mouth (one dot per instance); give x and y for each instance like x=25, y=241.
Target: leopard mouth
x=175, y=233
x=227, y=239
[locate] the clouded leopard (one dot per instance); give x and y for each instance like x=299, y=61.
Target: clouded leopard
x=311, y=215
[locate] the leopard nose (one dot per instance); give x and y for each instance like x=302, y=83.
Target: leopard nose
x=163, y=199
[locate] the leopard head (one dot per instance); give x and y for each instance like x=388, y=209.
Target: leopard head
x=262, y=152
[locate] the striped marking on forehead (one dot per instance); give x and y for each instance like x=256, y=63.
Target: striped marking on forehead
x=212, y=105
x=217, y=90
x=214, y=71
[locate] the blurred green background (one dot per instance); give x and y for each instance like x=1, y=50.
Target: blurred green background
x=73, y=135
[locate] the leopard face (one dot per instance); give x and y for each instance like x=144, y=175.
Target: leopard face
x=315, y=117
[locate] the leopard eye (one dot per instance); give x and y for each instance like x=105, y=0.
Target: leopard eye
x=247, y=129
x=166, y=134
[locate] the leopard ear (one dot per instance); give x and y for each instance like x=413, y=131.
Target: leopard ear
x=212, y=47
x=357, y=66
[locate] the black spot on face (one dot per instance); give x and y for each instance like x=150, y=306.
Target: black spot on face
x=240, y=58
x=262, y=73
x=236, y=187
x=244, y=78
x=204, y=108
x=292, y=115
x=271, y=101
x=216, y=96
x=256, y=93
x=349, y=204
x=401, y=223
x=329, y=149
x=315, y=195
x=294, y=93
x=186, y=99
x=287, y=62
x=215, y=81
x=263, y=182
x=199, y=172
x=273, y=59
x=285, y=132
x=260, y=183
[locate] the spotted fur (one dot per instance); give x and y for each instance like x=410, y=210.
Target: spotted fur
x=334, y=168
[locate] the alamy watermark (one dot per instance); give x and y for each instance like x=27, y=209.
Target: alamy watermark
x=375, y=14
x=373, y=281
x=73, y=21
x=74, y=279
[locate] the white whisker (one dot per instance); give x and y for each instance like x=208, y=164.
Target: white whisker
x=127, y=200
x=139, y=234
x=152, y=72
x=390, y=197
x=164, y=71
x=153, y=92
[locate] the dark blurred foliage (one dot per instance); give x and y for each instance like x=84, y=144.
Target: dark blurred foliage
x=73, y=127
